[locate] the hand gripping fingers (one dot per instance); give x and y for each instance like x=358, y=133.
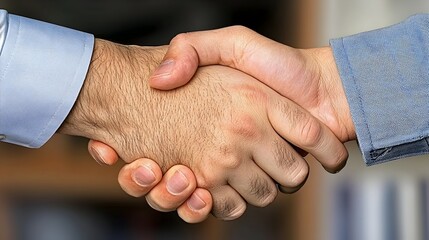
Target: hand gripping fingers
x=303, y=130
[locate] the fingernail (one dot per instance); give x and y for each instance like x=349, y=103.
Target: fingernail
x=97, y=156
x=164, y=69
x=196, y=203
x=144, y=176
x=177, y=183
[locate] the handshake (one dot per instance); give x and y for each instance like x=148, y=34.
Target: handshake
x=214, y=121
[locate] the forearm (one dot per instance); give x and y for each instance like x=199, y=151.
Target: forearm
x=92, y=106
x=117, y=75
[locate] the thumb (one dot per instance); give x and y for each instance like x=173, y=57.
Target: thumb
x=177, y=68
x=237, y=47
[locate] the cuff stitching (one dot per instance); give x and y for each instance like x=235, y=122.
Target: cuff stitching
x=361, y=109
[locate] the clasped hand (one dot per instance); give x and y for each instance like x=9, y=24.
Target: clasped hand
x=224, y=139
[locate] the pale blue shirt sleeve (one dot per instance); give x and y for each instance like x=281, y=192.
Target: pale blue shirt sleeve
x=42, y=68
x=385, y=74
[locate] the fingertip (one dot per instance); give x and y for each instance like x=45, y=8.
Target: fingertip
x=146, y=169
x=172, y=74
x=227, y=203
x=335, y=158
x=176, y=186
x=339, y=164
x=139, y=177
x=160, y=77
x=200, y=199
x=181, y=179
x=197, y=208
x=102, y=153
x=144, y=176
x=294, y=189
x=237, y=213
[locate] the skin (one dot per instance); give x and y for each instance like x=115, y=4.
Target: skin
x=226, y=126
x=309, y=77
x=143, y=177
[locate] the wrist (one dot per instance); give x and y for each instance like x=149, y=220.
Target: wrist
x=331, y=86
x=116, y=102
x=92, y=111
x=338, y=95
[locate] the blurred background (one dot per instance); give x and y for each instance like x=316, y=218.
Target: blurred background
x=58, y=192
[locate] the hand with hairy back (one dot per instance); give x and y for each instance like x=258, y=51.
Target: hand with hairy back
x=227, y=127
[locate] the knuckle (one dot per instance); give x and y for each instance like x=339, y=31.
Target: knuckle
x=218, y=163
x=229, y=163
x=311, y=132
x=239, y=28
x=179, y=38
x=209, y=178
x=241, y=50
x=245, y=129
x=213, y=171
x=244, y=126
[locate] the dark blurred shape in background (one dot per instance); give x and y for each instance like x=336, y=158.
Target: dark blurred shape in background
x=155, y=22
x=59, y=193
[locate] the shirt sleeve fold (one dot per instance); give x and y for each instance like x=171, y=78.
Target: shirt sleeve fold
x=42, y=69
x=385, y=74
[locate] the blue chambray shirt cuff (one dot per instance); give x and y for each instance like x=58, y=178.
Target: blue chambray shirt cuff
x=42, y=69
x=385, y=74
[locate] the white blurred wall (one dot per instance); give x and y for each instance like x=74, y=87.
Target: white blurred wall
x=346, y=17
x=384, y=201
